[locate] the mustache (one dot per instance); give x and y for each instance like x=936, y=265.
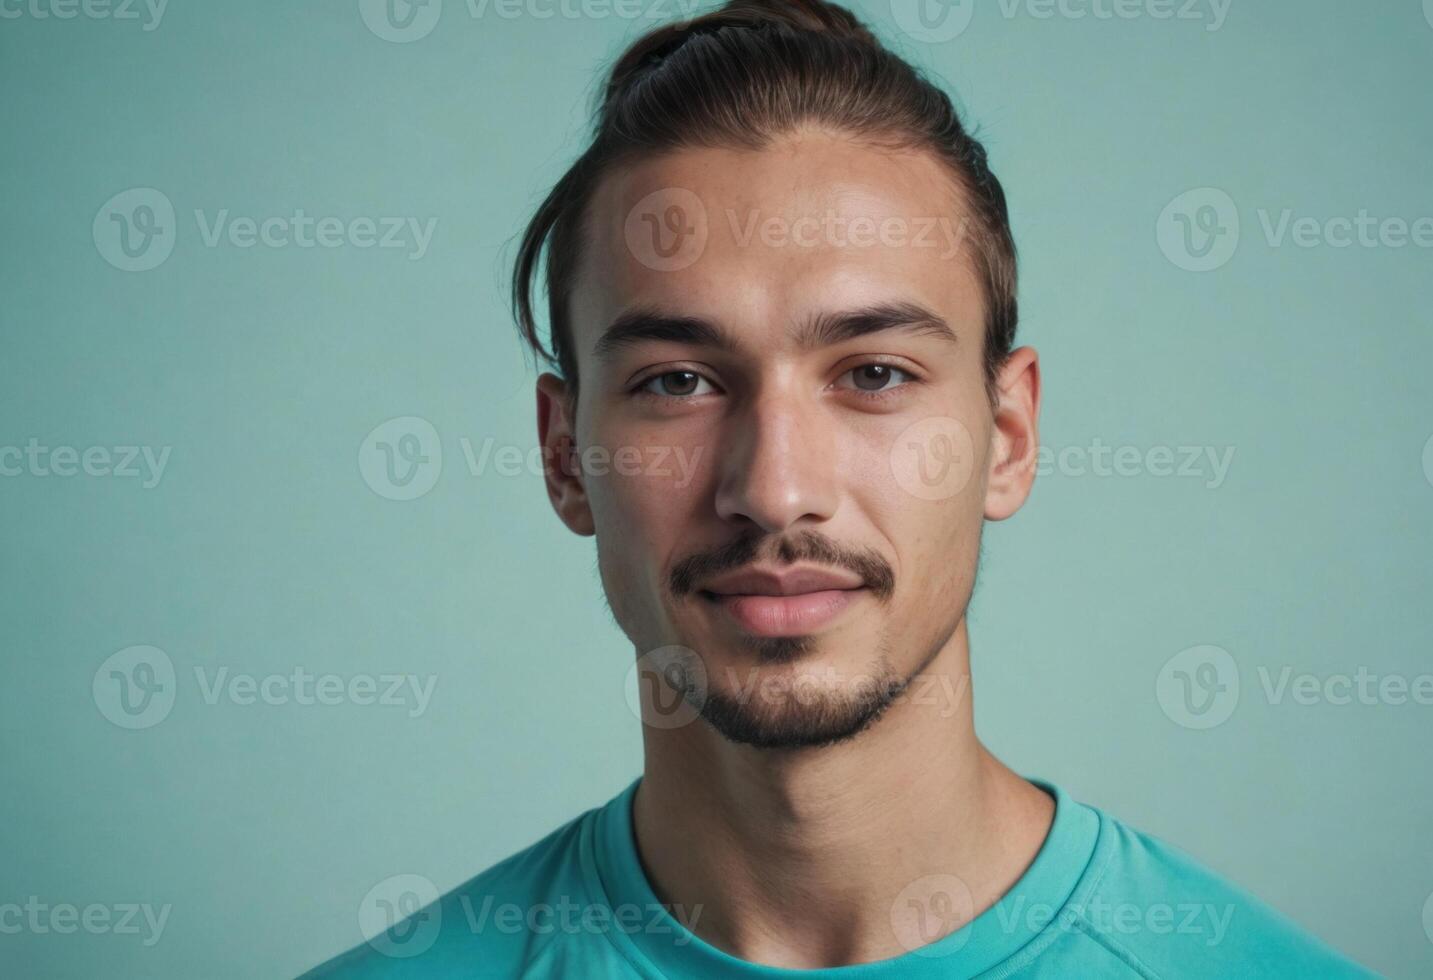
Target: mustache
x=809, y=545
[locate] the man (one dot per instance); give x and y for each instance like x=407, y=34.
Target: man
x=784, y=263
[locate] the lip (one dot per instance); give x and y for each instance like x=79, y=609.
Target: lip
x=766, y=602
x=785, y=582
x=786, y=615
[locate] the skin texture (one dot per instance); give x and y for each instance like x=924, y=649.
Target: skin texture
x=820, y=851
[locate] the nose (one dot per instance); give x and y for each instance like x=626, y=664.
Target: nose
x=779, y=465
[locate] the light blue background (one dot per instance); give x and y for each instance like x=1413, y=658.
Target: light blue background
x=263, y=549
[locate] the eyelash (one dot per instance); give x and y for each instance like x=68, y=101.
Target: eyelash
x=639, y=390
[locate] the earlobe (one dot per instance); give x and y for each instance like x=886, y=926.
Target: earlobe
x=1015, y=434
x=561, y=463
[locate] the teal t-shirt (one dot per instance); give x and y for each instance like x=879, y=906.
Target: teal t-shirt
x=1099, y=900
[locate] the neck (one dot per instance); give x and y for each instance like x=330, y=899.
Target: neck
x=797, y=858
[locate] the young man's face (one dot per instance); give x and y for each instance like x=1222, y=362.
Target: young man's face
x=758, y=421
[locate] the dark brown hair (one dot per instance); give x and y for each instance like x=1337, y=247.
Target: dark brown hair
x=738, y=77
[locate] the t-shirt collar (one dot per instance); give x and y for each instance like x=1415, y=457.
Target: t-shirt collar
x=650, y=936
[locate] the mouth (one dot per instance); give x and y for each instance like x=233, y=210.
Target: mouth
x=791, y=603
x=784, y=615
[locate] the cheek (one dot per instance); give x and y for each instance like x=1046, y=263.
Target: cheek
x=643, y=497
x=643, y=487
x=922, y=480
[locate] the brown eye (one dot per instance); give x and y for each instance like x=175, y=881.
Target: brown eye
x=875, y=377
x=673, y=384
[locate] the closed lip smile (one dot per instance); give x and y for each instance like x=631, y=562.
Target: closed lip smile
x=783, y=602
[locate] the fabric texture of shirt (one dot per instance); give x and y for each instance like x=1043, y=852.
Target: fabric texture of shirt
x=1099, y=900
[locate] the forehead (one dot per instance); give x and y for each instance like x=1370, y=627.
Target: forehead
x=762, y=239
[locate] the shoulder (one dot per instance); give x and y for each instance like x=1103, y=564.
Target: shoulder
x=1166, y=914
x=483, y=927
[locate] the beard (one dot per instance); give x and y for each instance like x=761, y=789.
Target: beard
x=795, y=710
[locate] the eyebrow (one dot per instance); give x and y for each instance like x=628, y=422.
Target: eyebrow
x=821, y=330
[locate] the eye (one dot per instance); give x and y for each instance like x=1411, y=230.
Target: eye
x=674, y=384
x=875, y=377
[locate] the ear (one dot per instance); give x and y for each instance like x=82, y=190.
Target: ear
x=559, y=454
x=1015, y=437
